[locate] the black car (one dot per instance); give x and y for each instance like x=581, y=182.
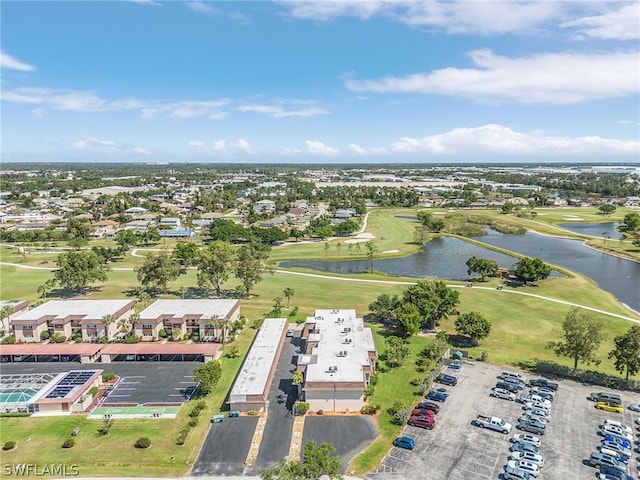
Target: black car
x=447, y=379
x=507, y=386
x=543, y=382
x=435, y=408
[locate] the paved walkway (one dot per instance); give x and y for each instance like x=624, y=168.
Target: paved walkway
x=295, y=449
x=256, y=440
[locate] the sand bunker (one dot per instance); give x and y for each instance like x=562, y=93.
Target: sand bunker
x=391, y=251
x=357, y=240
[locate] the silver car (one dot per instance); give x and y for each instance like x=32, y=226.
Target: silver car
x=502, y=393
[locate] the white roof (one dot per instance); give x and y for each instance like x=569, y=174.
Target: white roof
x=89, y=309
x=252, y=379
x=206, y=309
x=343, y=347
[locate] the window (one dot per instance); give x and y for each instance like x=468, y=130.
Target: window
x=149, y=327
x=27, y=331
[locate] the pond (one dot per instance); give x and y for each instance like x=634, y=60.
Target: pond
x=445, y=258
x=442, y=257
x=593, y=229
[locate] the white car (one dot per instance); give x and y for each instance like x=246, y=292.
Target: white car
x=537, y=403
x=502, y=393
x=538, y=412
x=620, y=425
x=527, y=417
x=525, y=438
x=529, y=457
x=529, y=467
x=613, y=430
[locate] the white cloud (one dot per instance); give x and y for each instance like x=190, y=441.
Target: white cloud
x=201, y=7
x=620, y=24
x=277, y=111
x=149, y=3
x=357, y=149
x=11, y=63
x=318, y=148
x=501, y=140
x=546, y=78
x=91, y=144
x=38, y=112
x=222, y=147
x=623, y=122
x=499, y=16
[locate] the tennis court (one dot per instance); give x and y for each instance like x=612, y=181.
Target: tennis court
x=135, y=411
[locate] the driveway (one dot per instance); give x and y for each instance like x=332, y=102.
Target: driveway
x=226, y=447
x=349, y=434
x=282, y=395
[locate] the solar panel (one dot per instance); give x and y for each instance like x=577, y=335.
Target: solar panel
x=69, y=382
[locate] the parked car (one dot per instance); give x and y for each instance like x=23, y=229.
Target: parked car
x=531, y=457
x=434, y=407
x=618, y=456
x=513, y=473
x=613, y=398
x=526, y=417
x=615, y=473
x=616, y=447
x=538, y=412
x=607, y=407
x=615, y=423
x=543, y=390
x=634, y=407
x=623, y=442
x=613, y=430
x=507, y=386
x=422, y=412
x=598, y=459
x=447, y=379
x=542, y=382
x=525, y=438
x=524, y=447
x=531, y=427
x=423, y=422
x=456, y=365
x=437, y=396
x=544, y=394
x=529, y=467
x=503, y=394
x=441, y=390
x=405, y=442
x=514, y=381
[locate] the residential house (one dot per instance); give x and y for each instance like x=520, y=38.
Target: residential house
x=264, y=206
x=13, y=309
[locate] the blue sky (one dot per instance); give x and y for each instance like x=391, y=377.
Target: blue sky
x=334, y=81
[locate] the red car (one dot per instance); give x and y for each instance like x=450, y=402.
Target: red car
x=423, y=412
x=422, y=422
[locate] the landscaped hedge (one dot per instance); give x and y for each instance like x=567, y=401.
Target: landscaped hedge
x=587, y=376
x=143, y=442
x=10, y=445
x=69, y=443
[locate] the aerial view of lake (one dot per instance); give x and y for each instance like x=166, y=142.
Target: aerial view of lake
x=445, y=258
x=593, y=229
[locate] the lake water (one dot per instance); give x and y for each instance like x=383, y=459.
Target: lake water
x=593, y=229
x=445, y=258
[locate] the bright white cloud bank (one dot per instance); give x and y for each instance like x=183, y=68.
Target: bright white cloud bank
x=547, y=78
x=620, y=24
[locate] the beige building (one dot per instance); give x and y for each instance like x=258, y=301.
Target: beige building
x=251, y=388
x=71, y=316
x=339, y=358
x=211, y=319
x=13, y=309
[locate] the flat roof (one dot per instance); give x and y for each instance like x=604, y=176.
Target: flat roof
x=16, y=304
x=68, y=386
x=343, y=347
x=51, y=349
x=87, y=309
x=205, y=309
x=161, y=348
x=253, y=376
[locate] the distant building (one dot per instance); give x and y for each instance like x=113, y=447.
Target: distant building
x=170, y=222
x=338, y=361
x=264, y=206
x=14, y=308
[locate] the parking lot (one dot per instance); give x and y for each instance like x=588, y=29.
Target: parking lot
x=140, y=382
x=456, y=450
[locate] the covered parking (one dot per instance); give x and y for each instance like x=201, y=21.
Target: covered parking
x=160, y=352
x=50, y=352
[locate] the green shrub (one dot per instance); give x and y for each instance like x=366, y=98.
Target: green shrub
x=369, y=391
x=131, y=339
x=93, y=391
x=252, y=412
x=8, y=340
x=103, y=340
x=77, y=339
x=193, y=422
x=143, y=442
x=294, y=311
x=107, y=377
x=302, y=408
x=58, y=338
x=416, y=381
x=10, y=445
x=162, y=333
x=45, y=335
x=69, y=443
x=187, y=336
x=370, y=409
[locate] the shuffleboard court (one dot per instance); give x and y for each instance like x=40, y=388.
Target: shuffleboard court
x=138, y=411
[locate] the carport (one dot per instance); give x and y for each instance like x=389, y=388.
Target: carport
x=50, y=352
x=167, y=352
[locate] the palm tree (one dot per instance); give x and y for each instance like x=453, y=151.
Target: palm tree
x=144, y=298
x=4, y=313
x=107, y=320
x=289, y=292
x=133, y=321
x=217, y=323
x=277, y=302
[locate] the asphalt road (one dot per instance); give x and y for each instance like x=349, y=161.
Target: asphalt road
x=282, y=395
x=349, y=434
x=226, y=447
